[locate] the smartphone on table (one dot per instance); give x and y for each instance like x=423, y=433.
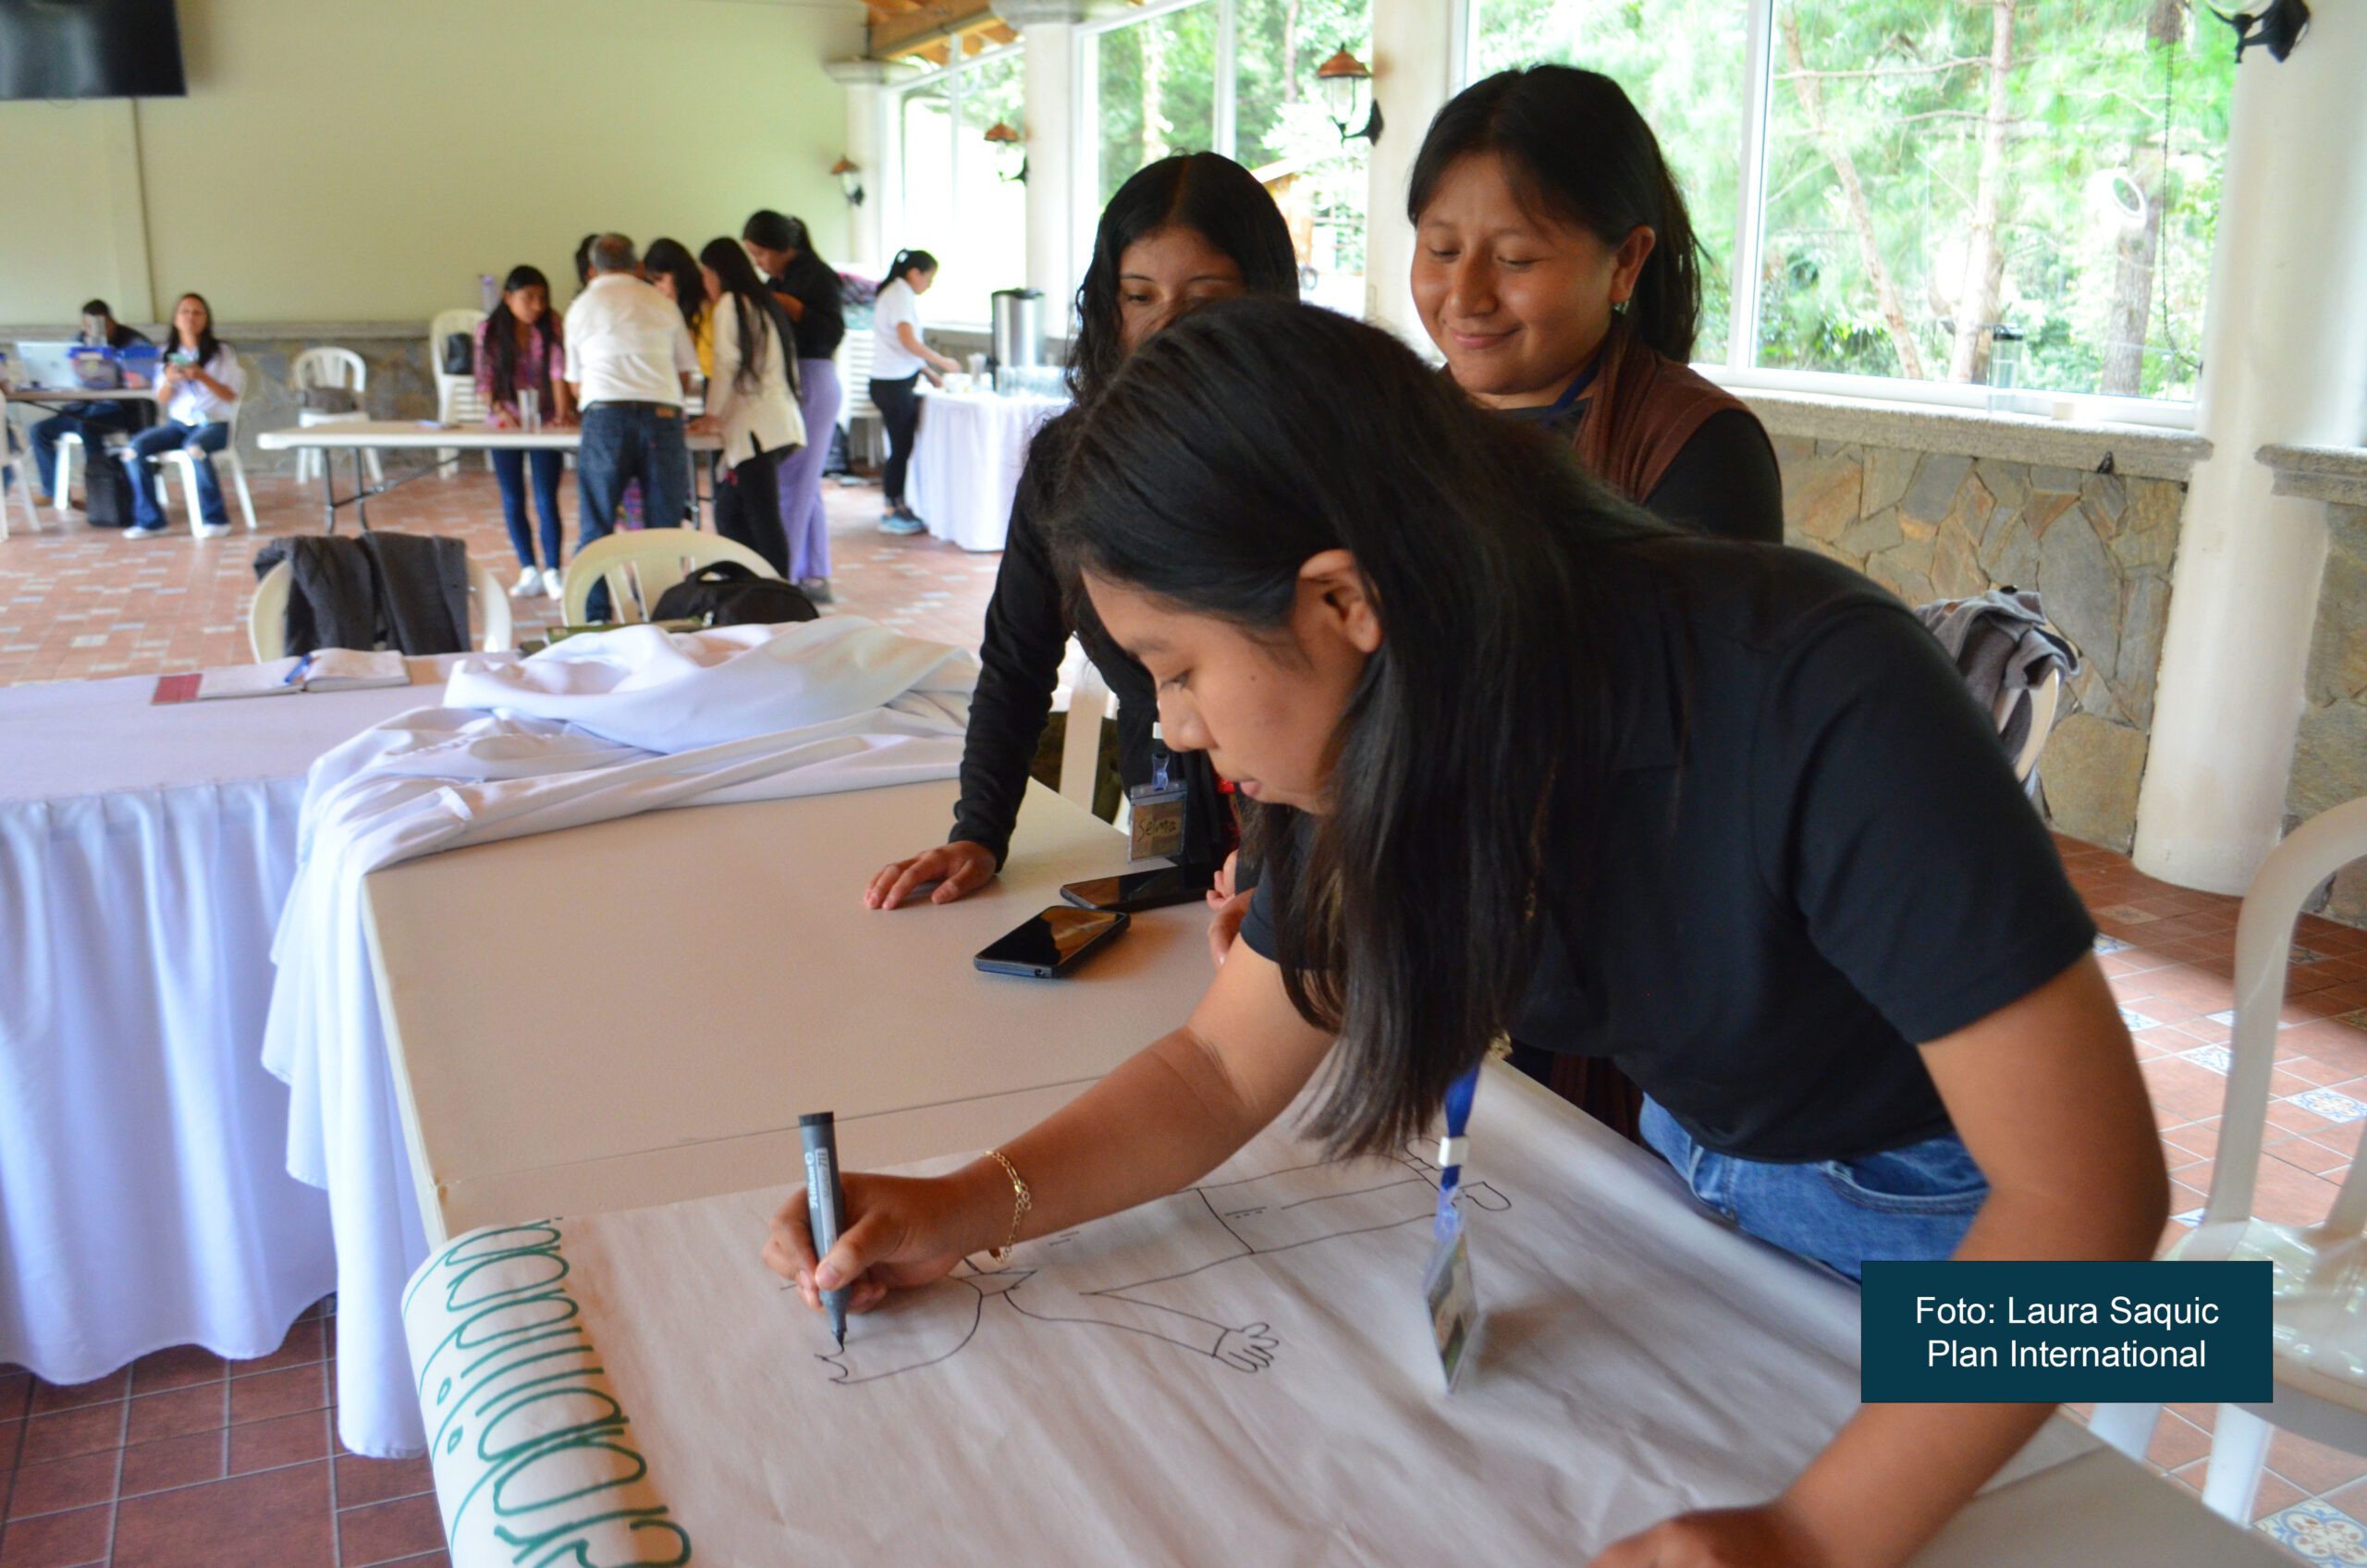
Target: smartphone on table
x=1142, y=889
x=1054, y=942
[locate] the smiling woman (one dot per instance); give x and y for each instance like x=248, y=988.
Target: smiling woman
x=1556, y=267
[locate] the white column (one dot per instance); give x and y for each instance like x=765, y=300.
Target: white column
x=2284, y=360
x=1053, y=265
x=869, y=148
x=1414, y=46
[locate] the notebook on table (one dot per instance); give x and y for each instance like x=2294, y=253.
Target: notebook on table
x=328, y=670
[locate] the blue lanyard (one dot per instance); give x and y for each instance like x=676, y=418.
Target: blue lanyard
x=1576, y=389
x=1451, y=1149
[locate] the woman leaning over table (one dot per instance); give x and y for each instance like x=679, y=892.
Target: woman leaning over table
x=520, y=350
x=809, y=290
x=1524, y=755
x=899, y=359
x=1556, y=267
x=200, y=384
x=751, y=403
x=1180, y=232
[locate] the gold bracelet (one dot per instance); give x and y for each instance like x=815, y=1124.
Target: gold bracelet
x=1021, y=1201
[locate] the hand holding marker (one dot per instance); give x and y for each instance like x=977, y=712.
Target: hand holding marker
x=824, y=1205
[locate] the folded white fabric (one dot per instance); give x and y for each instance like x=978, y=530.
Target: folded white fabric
x=599, y=727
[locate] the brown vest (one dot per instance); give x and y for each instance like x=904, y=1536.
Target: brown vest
x=1641, y=410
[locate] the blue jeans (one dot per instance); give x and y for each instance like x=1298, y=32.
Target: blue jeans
x=90, y=421
x=153, y=442
x=1913, y=1202
x=623, y=442
x=509, y=473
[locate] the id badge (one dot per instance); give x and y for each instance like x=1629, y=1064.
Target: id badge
x=1454, y=1300
x=1156, y=823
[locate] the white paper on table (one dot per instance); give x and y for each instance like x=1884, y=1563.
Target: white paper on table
x=1240, y=1373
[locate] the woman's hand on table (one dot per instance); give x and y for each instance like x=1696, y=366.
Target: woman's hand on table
x=902, y=1232
x=499, y=418
x=1226, y=910
x=1769, y=1536
x=957, y=868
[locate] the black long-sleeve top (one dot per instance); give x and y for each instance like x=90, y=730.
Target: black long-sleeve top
x=1028, y=624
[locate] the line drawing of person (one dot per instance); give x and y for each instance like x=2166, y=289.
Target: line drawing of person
x=1116, y=1282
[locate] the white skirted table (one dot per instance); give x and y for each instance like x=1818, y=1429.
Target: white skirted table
x=967, y=459
x=144, y=854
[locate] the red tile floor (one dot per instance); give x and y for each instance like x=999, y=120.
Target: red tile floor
x=184, y=1462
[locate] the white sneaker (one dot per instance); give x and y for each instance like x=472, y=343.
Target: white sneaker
x=553, y=583
x=529, y=585
x=212, y=530
x=145, y=531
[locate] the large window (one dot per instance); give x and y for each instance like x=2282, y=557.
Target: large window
x=1996, y=192
x=954, y=199
x=1237, y=77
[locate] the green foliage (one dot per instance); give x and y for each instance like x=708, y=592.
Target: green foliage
x=2093, y=105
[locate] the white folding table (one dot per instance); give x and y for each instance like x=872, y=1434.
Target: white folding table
x=638, y=1011
x=357, y=436
x=967, y=458
x=145, y=852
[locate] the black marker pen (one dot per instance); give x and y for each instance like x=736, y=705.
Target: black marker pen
x=823, y=1206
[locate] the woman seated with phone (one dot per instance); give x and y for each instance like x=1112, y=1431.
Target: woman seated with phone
x=1525, y=756
x=1180, y=232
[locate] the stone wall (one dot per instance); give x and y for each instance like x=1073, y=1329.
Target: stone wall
x=2097, y=547
x=400, y=387
x=2330, y=755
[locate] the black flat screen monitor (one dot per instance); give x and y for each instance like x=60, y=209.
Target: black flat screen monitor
x=90, y=49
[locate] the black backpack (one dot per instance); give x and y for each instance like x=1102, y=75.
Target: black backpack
x=106, y=490
x=459, y=353
x=733, y=596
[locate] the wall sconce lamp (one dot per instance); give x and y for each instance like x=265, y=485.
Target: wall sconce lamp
x=1347, y=86
x=850, y=177
x=1001, y=135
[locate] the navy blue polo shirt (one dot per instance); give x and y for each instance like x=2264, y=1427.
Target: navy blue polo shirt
x=1812, y=855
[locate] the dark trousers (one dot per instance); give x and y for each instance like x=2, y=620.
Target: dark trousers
x=900, y=410
x=509, y=473
x=92, y=422
x=623, y=442
x=747, y=509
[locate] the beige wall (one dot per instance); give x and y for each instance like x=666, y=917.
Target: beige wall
x=365, y=160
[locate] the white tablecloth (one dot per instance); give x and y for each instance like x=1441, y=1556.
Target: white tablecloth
x=144, y=855
x=967, y=459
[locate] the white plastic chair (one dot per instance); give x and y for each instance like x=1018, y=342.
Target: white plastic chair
x=13, y=463
x=2319, y=1292
x=640, y=567
x=184, y=459
x=331, y=368
x=267, y=617
x=456, y=396
x=1081, y=745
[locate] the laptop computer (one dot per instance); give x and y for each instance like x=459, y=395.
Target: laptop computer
x=47, y=367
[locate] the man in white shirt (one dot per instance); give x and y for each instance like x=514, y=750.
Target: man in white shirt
x=630, y=361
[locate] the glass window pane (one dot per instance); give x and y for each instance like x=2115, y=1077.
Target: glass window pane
x=1284, y=130
x=1683, y=62
x=1156, y=81
x=989, y=248
x=925, y=221
x=1920, y=197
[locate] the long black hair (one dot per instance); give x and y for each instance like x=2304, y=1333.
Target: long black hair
x=501, y=333
x=778, y=231
x=674, y=259
x=1254, y=435
x=908, y=261
x=583, y=261
x=207, y=344
x=1207, y=192
x=1574, y=148
x=752, y=305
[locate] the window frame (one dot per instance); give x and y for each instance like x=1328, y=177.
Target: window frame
x=1735, y=371
x=950, y=74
